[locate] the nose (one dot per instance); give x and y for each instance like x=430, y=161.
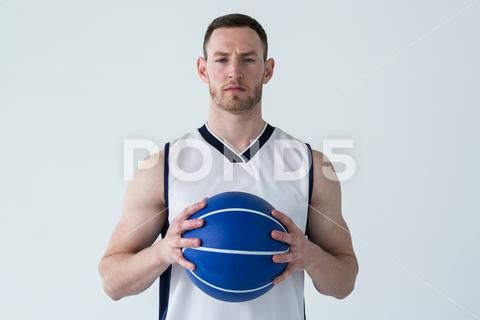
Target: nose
x=235, y=71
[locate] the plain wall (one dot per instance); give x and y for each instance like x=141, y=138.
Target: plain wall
x=398, y=78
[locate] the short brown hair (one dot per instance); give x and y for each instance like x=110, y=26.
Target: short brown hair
x=236, y=20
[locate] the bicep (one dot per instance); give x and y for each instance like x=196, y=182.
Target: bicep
x=326, y=226
x=144, y=213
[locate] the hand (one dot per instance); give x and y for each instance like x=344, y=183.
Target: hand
x=295, y=238
x=171, y=245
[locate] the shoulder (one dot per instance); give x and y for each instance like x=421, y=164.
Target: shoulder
x=326, y=184
x=149, y=176
x=321, y=160
x=153, y=161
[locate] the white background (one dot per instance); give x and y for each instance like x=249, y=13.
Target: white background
x=399, y=78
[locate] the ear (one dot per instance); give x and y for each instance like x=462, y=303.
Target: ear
x=202, y=69
x=268, y=73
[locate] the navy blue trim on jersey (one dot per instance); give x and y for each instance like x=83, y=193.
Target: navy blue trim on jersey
x=310, y=175
x=310, y=191
x=250, y=152
x=164, y=287
x=229, y=154
x=165, y=177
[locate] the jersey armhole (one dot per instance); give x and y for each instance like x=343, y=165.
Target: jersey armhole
x=310, y=174
x=164, y=287
x=310, y=191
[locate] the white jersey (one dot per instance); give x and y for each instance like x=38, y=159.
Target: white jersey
x=275, y=167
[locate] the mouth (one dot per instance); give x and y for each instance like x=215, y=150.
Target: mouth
x=234, y=89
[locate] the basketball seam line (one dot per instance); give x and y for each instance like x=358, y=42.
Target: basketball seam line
x=245, y=210
x=229, y=290
x=246, y=252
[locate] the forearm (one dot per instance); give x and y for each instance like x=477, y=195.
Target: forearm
x=332, y=275
x=128, y=274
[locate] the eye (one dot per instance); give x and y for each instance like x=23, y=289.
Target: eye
x=248, y=60
x=221, y=60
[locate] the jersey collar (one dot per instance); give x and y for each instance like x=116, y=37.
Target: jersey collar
x=230, y=153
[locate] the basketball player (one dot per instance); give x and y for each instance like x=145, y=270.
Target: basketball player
x=243, y=153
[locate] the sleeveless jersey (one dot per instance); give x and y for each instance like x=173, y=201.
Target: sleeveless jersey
x=275, y=167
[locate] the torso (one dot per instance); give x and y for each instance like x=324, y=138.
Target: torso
x=257, y=170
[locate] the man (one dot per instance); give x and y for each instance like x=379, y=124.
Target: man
x=243, y=154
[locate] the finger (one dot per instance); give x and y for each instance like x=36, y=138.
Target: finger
x=179, y=227
x=190, y=225
x=285, y=274
x=286, y=220
x=283, y=258
x=187, y=212
x=282, y=236
x=180, y=259
x=187, y=243
x=282, y=217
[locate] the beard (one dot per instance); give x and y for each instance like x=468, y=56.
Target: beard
x=236, y=102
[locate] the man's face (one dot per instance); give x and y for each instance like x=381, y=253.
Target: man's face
x=235, y=69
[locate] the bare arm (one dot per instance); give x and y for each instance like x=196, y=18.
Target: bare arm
x=131, y=264
x=335, y=267
x=326, y=250
x=133, y=260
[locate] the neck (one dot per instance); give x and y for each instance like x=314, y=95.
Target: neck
x=236, y=129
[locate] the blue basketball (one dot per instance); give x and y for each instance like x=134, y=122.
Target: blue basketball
x=234, y=262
